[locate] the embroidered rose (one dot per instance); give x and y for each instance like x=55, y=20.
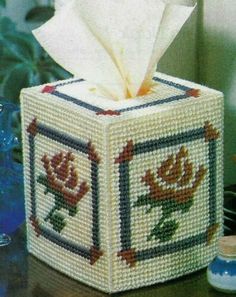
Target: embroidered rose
x=62, y=181
x=172, y=188
x=62, y=177
x=175, y=170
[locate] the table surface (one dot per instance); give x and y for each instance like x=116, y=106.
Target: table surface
x=22, y=275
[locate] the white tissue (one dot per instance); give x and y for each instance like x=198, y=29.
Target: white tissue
x=113, y=44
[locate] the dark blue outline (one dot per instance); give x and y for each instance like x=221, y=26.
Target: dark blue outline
x=125, y=210
x=32, y=173
x=96, y=109
x=82, y=147
x=125, y=223
x=95, y=205
x=212, y=180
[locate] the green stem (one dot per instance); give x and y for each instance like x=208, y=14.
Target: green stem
x=158, y=226
x=51, y=213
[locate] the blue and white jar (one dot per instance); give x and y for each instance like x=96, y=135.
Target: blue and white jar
x=221, y=273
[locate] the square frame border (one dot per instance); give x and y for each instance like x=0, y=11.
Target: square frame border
x=94, y=253
x=187, y=93
x=127, y=252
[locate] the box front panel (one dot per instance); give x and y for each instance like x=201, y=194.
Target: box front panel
x=166, y=178
x=64, y=180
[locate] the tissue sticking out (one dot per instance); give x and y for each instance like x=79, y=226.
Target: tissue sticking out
x=114, y=45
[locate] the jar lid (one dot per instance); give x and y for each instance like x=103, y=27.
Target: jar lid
x=227, y=245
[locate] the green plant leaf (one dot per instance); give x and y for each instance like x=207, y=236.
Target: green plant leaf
x=7, y=63
x=19, y=45
x=58, y=222
x=17, y=79
x=40, y=14
x=72, y=210
x=3, y=3
x=6, y=26
x=59, y=73
x=185, y=207
x=169, y=206
x=165, y=232
x=147, y=200
x=142, y=201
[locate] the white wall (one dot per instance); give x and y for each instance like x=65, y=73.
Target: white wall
x=180, y=58
x=218, y=67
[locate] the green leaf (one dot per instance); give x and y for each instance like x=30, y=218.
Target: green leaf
x=3, y=3
x=185, y=207
x=164, y=233
x=145, y=200
x=59, y=73
x=7, y=63
x=40, y=14
x=142, y=201
x=58, y=222
x=34, y=49
x=169, y=206
x=46, y=77
x=19, y=45
x=59, y=200
x=6, y=26
x=72, y=210
x=17, y=79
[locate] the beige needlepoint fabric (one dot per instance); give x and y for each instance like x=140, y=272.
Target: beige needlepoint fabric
x=123, y=195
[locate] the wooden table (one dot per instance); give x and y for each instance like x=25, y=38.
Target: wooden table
x=22, y=275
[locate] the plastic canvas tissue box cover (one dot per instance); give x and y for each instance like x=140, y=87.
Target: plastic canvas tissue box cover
x=123, y=194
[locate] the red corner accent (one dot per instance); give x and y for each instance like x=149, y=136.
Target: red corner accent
x=95, y=255
x=32, y=128
x=210, y=132
x=108, y=112
x=127, y=154
x=48, y=89
x=128, y=256
x=211, y=232
x=193, y=93
x=92, y=154
x=35, y=225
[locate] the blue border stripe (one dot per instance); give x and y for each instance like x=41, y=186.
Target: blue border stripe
x=77, y=102
x=32, y=173
x=212, y=181
x=151, y=145
x=172, y=84
x=49, y=234
x=172, y=247
x=146, y=105
x=70, y=246
x=125, y=212
x=63, y=138
x=62, y=84
x=95, y=204
x=125, y=222
x=153, y=103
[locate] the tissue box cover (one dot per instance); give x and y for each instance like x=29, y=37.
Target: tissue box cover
x=125, y=194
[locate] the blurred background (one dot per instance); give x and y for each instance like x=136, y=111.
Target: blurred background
x=203, y=52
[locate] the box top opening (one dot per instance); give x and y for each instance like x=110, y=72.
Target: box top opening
x=167, y=91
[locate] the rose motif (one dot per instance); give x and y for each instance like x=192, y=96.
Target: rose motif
x=172, y=188
x=176, y=170
x=62, y=181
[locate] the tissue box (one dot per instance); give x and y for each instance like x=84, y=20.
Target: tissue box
x=124, y=194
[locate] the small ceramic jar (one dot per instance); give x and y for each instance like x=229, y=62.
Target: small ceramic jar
x=221, y=273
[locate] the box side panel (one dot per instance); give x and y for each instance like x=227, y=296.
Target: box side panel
x=64, y=188
x=167, y=192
